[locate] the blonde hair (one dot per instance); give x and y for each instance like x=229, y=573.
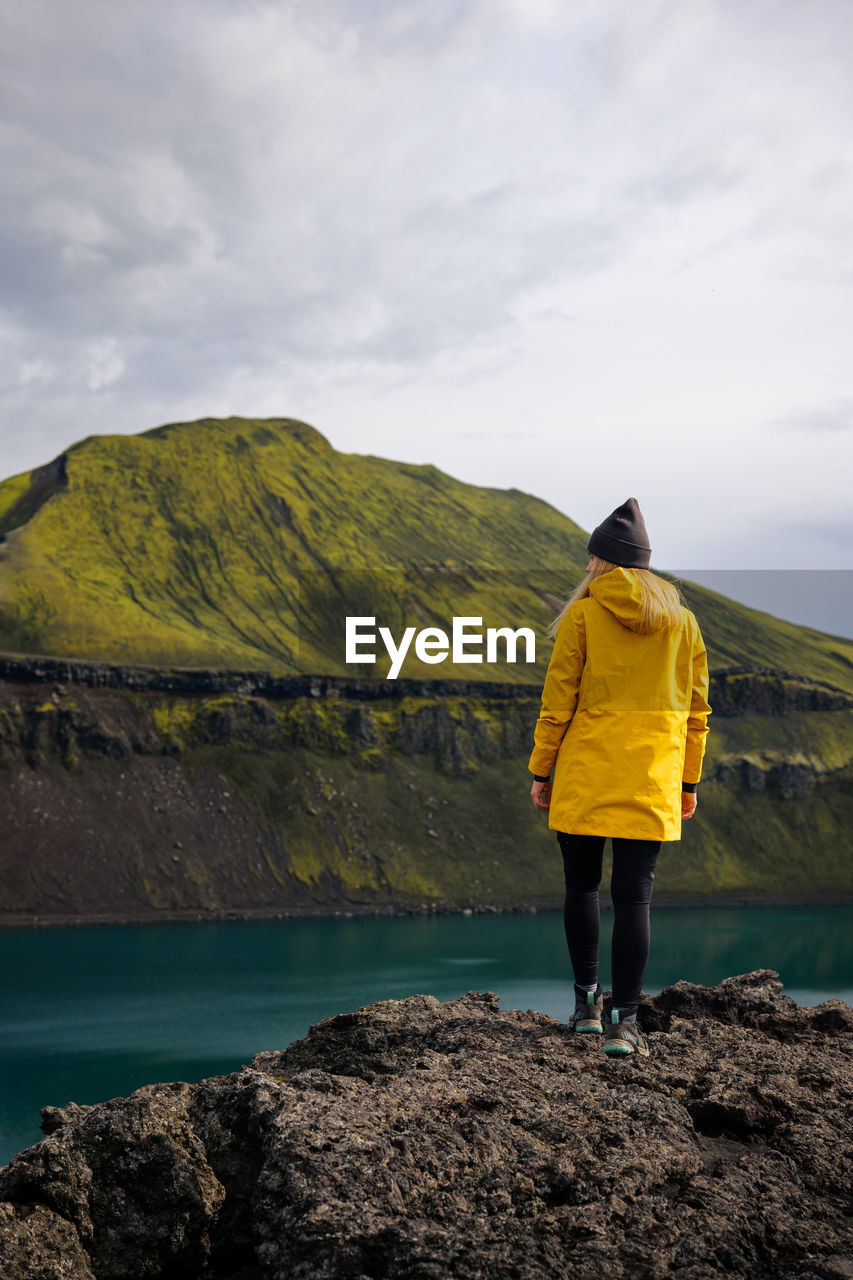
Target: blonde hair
x=660, y=607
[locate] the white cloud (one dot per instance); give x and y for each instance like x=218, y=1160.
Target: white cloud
x=837, y=416
x=106, y=364
x=33, y=371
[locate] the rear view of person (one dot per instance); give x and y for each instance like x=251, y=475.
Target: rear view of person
x=622, y=726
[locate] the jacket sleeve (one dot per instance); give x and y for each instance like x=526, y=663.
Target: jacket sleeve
x=697, y=719
x=560, y=693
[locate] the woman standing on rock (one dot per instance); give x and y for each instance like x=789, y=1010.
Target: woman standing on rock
x=623, y=726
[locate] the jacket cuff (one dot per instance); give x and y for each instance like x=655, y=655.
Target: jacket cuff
x=689, y=786
x=538, y=777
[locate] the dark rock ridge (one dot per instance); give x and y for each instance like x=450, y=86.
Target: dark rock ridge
x=46, y=670
x=734, y=691
x=45, y=481
x=427, y=1140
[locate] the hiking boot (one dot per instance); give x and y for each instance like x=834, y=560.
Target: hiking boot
x=589, y=1012
x=623, y=1037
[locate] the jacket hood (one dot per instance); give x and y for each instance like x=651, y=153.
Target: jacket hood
x=619, y=591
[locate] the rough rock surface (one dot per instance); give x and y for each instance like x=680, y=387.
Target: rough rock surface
x=420, y=1139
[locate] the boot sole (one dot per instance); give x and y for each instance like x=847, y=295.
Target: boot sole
x=623, y=1051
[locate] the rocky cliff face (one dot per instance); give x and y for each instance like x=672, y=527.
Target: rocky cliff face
x=420, y=1139
x=141, y=793
x=734, y=691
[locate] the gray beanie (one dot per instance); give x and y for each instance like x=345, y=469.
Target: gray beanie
x=622, y=538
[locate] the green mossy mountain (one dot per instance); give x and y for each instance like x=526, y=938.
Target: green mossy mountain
x=225, y=555
x=245, y=544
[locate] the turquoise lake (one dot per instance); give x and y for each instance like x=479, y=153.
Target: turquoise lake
x=93, y=1013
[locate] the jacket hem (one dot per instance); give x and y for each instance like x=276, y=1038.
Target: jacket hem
x=623, y=834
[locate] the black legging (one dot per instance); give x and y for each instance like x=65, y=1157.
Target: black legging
x=631, y=886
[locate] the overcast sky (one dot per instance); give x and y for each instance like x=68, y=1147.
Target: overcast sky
x=591, y=249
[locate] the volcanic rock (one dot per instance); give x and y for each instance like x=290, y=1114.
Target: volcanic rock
x=425, y=1140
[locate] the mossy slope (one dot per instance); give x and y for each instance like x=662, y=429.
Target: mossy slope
x=245, y=543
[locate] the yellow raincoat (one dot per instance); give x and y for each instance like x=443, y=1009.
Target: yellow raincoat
x=623, y=718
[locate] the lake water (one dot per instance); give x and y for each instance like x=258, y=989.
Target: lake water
x=93, y=1013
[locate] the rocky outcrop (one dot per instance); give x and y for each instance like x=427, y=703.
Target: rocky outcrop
x=98, y=675
x=420, y=1139
x=45, y=481
x=763, y=691
x=734, y=691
